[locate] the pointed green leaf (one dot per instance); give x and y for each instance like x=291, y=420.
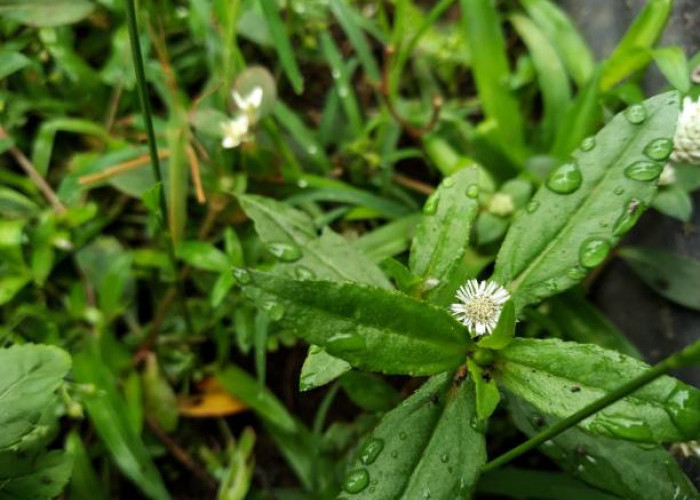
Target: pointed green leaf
x=487, y=395
x=504, y=331
x=442, y=237
x=35, y=477
x=46, y=12
x=371, y=328
x=620, y=467
x=424, y=448
x=319, y=368
x=587, y=204
x=560, y=378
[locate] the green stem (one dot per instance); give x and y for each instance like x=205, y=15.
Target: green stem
x=687, y=356
x=142, y=87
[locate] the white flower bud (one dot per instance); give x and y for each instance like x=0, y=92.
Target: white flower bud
x=686, y=148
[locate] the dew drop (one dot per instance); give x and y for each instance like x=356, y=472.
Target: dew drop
x=681, y=405
x=402, y=436
x=242, y=276
x=659, y=149
x=532, y=206
x=644, y=170
x=286, y=252
x=356, y=481
x=622, y=427
x=593, y=251
x=588, y=143
x=473, y=190
x=431, y=205
x=371, y=450
x=444, y=458
x=274, y=309
x=335, y=73
x=619, y=190
x=636, y=113
x=630, y=215
x=426, y=493
x=346, y=342
x=448, y=182
x=576, y=273
x=394, y=454
x=304, y=273
x=312, y=149
x=565, y=179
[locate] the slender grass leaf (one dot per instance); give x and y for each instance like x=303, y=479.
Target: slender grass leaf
x=424, y=448
x=551, y=75
x=84, y=483
x=560, y=378
x=278, y=35
x=108, y=412
x=343, y=14
x=587, y=204
x=625, y=469
x=491, y=71
x=581, y=321
x=11, y=62
x=443, y=235
x=674, y=66
x=371, y=328
x=302, y=135
x=564, y=36
x=632, y=53
x=673, y=276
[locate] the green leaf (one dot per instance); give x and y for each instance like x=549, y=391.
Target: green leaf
x=282, y=44
x=371, y=328
x=107, y=410
x=559, y=378
x=246, y=388
x=344, y=15
x=84, y=483
x=673, y=276
x=481, y=23
x=631, y=54
x=504, y=331
x=11, y=61
x=487, y=395
x=203, y=255
x=674, y=66
x=159, y=399
x=319, y=368
x=40, y=477
x=581, y=321
x=620, y=467
x=369, y=391
x=424, y=448
x=587, y=205
x=675, y=202
x=564, y=36
x=29, y=377
x=442, y=237
x=551, y=75
x=44, y=13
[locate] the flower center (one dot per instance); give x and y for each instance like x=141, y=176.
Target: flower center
x=482, y=309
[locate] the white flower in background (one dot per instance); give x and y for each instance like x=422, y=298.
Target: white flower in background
x=249, y=103
x=668, y=175
x=686, y=144
x=480, y=305
x=235, y=131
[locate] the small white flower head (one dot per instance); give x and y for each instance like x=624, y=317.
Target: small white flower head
x=235, y=131
x=501, y=204
x=480, y=304
x=249, y=103
x=668, y=175
x=686, y=143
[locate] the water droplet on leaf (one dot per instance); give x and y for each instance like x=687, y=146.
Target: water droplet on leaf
x=659, y=149
x=636, y=113
x=371, y=450
x=356, y=481
x=448, y=182
x=565, y=179
x=242, y=276
x=444, y=458
x=532, y=206
x=286, y=252
x=304, y=273
x=473, y=190
x=431, y=204
x=588, y=143
x=593, y=251
x=630, y=215
x=644, y=170
x=402, y=436
x=274, y=309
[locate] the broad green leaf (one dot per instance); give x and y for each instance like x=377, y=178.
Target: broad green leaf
x=43, y=13
x=369, y=391
x=282, y=44
x=371, y=328
x=631, y=54
x=108, y=413
x=626, y=469
x=559, y=378
x=504, y=331
x=673, y=276
x=487, y=395
x=29, y=377
x=388, y=240
x=491, y=71
x=319, y=368
x=35, y=477
x=587, y=204
x=581, y=321
x=84, y=483
x=246, y=388
x=551, y=75
x=424, y=448
x=675, y=202
x=442, y=237
x=674, y=66
x=563, y=35
x=11, y=61
x=203, y=255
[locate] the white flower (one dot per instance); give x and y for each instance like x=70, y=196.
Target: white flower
x=480, y=305
x=249, y=103
x=235, y=131
x=686, y=144
x=668, y=175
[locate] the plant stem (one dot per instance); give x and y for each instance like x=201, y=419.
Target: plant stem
x=137, y=58
x=687, y=356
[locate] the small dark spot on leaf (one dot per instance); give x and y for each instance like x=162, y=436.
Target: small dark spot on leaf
x=46, y=479
x=575, y=388
x=486, y=375
x=581, y=450
x=662, y=283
